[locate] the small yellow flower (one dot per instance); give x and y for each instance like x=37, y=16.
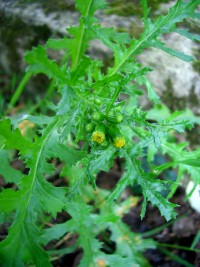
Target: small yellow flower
x=98, y=137
x=25, y=125
x=101, y=263
x=119, y=142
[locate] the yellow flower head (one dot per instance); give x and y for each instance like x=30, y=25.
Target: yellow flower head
x=98, y=137
x=101, y=263
x=25, y=125
x=119, y=142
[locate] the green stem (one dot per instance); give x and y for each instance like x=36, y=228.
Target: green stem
x=162, y=227
x=114, y=98
x=175, y=186
x=156, y=230
x=176, y=257
x=179, y=247
x=129, y=53
x=196, y=240
x=19, y=89
x=78, y=54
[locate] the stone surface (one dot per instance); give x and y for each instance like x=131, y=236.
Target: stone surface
x=171, y=68
x=173, y=78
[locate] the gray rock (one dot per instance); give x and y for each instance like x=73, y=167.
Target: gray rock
x=172, y=74
x=171, y=68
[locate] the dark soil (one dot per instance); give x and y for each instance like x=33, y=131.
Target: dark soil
x=180, y=232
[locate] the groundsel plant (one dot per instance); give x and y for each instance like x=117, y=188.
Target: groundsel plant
x=96, y=120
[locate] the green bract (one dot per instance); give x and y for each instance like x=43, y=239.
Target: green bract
x=31, y=206
x=104, y=144
x=89, y=127
x=97, y=116
x=97, y=101
x=119, y=118
x=114, y=116
x=111, y=116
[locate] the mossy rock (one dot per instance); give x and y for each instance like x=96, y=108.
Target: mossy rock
x=51, y=6
x=132, y=7
x=196, y=62
x=18, y=37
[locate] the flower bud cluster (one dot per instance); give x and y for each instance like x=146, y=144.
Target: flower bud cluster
x=104, y=129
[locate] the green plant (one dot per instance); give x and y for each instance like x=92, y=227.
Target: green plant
x=89, y=128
